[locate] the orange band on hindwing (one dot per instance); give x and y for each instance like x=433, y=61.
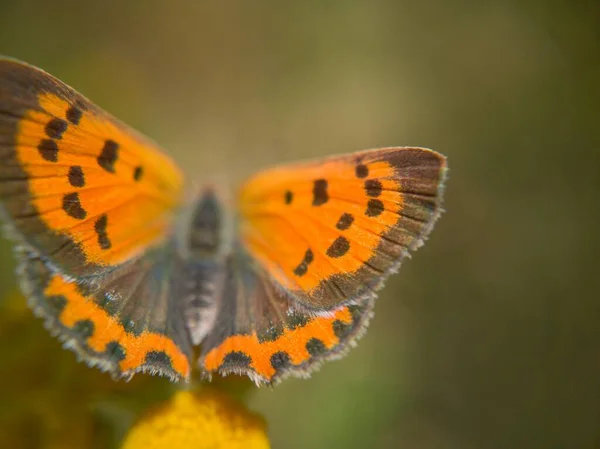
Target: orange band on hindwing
x=106, y=331
x=293, y=346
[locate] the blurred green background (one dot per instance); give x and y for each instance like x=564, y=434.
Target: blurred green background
x=490, y=336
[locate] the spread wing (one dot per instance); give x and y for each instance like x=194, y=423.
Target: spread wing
x=260, y=331
x=78, y=187
x=329, y=232
x=128, y=320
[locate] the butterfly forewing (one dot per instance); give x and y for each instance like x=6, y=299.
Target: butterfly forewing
x=129, y=320
x=330, y=231
x=77, y=186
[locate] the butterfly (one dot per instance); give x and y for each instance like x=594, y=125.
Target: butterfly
x=133, y=279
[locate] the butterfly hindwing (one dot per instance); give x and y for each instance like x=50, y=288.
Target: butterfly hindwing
x=76, y=186
x=260, y=332
x=330, y=231
x=128, y=320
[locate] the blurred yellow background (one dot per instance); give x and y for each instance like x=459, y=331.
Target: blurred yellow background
x=490, y=336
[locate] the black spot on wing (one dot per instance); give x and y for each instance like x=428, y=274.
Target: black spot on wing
x=55, y=128
x=115, y=351
x=345, y=221
x=373, y=187
x=296, y=320
x=374, y=208
x=339, y=247
x=76, y=177
x=236, y=360
x=362, y=171
x=270, y=334
x=109, y=155
x=280, y=360
x=341, y=329
x=288, y=197
x=48, y=150
x=159, y=360
x=302, y=268
x=100, y=228
x=315, y=347
x=84, y=328
x=74, y=115
x=72, y=206
x=320, y=195
x=138, y=172
x=57, y=303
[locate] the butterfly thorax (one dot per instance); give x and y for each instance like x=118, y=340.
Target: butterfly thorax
x=204, y=239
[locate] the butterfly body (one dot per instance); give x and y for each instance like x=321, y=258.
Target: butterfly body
x=92, y=207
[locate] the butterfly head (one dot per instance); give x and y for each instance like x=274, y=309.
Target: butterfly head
x=205, y=235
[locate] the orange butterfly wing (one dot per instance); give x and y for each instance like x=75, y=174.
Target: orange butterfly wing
x=77, y=186
x=124, y=322
x=330, y=231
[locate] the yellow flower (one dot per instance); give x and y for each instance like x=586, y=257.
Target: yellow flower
x=51, y=401
x=199, y=420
